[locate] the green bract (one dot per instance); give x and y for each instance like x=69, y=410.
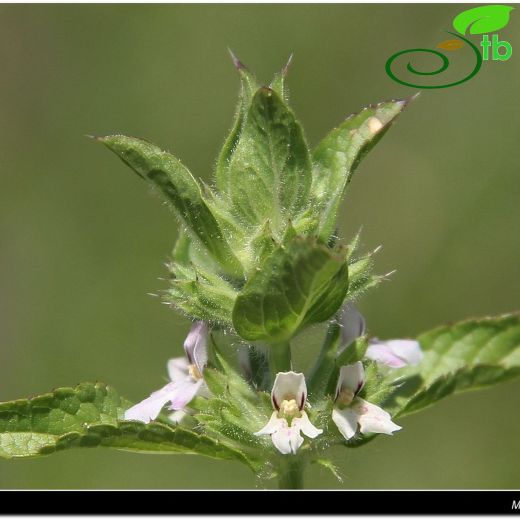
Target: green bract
x=260, y=238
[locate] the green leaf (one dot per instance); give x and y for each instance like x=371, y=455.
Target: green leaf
x=360, y=276
x=483, y=19
x=196, y=288
x=238, y=237
x=466, y=356
x=90, y=415
x=263, y=243
x=181, y=253
x=338, y=154
x=233, y=388
x=248, y=86
x=200, y=294
x=173, y=180
x=270, y=171
x=333, y=356
x=278, y=83
x=63, y=410
x=235, y=412
x=333, y=297
x=28, y=426
x=293, y=287
x=150, y=438
x=257, y=366
x=330, y=466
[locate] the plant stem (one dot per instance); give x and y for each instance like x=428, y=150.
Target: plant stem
x=279, y=358
x=326, y=362
x=290, y=474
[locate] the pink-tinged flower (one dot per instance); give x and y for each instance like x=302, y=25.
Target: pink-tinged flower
x=395, y=353
x=289, y=395
x=350, y=411
x=186, y=380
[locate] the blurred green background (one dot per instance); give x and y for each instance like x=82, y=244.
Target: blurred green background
x=82, y=241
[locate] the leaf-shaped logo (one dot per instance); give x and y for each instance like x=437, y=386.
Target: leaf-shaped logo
x=484, y=19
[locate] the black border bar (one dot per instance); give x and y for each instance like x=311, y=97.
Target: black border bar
x=348, y=502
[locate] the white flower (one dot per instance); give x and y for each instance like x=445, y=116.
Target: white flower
x=186, y=380
x=289, y=395
x=350, y=411
x=394, y=353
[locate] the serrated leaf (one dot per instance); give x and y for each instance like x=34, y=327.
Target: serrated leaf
x=469, y=355
x=174, y=181
x=89, y=415
x=29, y=425
x=63, y=410
x=150, y=438
x=482, y=19
x=283, y=294
x=465, y=356
x=338, y=154
x=270, y=171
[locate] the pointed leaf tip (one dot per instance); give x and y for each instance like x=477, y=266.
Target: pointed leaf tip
x=285, y=70
x=236, y=62
x=167, y=175
x=339, y=153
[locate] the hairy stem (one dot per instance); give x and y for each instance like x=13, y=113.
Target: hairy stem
x=290, y=474
x=326, y=362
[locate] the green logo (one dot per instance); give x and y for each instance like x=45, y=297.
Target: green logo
x=479, y=20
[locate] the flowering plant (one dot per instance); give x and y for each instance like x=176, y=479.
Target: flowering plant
x=257, y=262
